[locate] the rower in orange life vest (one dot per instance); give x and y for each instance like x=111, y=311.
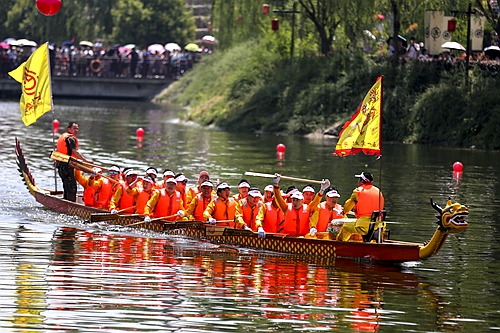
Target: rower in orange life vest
x=105, y=188
x=222, y=208
x=153, y=173
x=165, y=202
x=68, y=144
x=365, y=199
x=88, y=192
x=181, y=187
x=270, y=215
x=243, y=187
x=327, y=211
x=121, y=199
x=141, y=194
x=193, y=191
x=247, y=210
x=168, y=173
x=297, y=214
x=200, y=202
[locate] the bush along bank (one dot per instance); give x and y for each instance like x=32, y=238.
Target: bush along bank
x=250, y=88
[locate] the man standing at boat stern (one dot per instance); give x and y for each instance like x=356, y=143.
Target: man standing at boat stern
x=365, y=199
x=68, y=144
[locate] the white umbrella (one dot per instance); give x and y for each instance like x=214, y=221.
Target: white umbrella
x=129, y=46
x=23, y=42
x=453, y=46
x=492, y=47
x=172, y=47
x=86, y=43
x=208, y=39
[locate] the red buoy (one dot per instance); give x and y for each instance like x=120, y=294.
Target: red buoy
x=48, y=7
x=458, y=167
x=55, y=125
x=139, y=132
x=280, y=148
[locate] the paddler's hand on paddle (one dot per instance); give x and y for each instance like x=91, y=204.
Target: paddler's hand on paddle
x=325, y=183
x=313, y=231
x=277, y=178
x=114, y=211
x=245, y=227
x=181, y=213
x=212, y=221
x=261, y=232
x=147, y=219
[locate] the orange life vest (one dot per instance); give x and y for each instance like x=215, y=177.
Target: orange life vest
x=249, y=213
x=183, y=196
x=142, y=200
x=126, y=200
x=192, y=192
x=62, y=147
x=103, y=196
x=224, y=210
x=296, y=221
x=368, y=200
x=89, y=196
x=168, y=205
x=201, y=206
x=272, y=218
x=326, y=215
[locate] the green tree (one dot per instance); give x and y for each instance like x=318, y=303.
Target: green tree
x=152, y=21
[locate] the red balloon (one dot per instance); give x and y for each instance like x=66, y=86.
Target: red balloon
x=139, y=132
x=457, y=167
x=48, y=7
x=280, y=148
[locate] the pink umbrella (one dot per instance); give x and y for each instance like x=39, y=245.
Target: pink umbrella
x=4, y=45
x=156, y=48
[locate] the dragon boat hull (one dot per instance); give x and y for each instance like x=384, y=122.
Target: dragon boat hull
x=389, y=251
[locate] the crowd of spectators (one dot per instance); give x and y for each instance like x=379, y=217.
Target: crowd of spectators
x=114, y=61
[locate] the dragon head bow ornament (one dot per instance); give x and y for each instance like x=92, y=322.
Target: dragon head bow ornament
x=452, y=217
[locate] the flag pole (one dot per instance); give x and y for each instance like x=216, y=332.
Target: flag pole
x=52, y=112
x=380, y=236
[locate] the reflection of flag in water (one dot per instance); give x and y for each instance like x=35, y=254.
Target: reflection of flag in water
x=34, y=75
x=364, y=131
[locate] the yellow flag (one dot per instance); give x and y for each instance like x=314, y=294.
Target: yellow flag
x=364, y=131
x=34, y=75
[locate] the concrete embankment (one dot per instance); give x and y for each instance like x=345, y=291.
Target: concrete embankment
x=95, y=87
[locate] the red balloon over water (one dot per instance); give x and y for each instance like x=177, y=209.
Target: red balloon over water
x=280, y=148
x=458, y=167
x=55, y=125
x=48, y=7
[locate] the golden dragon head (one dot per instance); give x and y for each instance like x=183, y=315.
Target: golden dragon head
x=452, y=217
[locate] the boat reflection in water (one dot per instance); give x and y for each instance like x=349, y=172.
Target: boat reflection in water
x=98, y=280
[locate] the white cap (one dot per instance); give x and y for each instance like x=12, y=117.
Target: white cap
x=169, y=173
x=244, y=184
x=131, y=172
x=207, y=183
x=114, y=168
x=171, y=180
x=269, y=188
x=151, y=170
x=255, y=193
x=297, y=195
x=222, y=186
x=181, y=178
x=332, y=194
x=308, y=189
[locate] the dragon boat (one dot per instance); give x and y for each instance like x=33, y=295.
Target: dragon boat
x=451, y=219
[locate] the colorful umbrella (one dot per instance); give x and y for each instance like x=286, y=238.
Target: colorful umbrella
x=156, y=48
x=191, y=47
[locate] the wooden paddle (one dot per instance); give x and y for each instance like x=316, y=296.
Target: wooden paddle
x=153, y=220
x=108, y=216
x=182, y=224
x=55, y=155
x=78, y=164
x=267, y=175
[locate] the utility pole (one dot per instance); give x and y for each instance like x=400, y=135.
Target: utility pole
x=468, y=14
x=293, y=11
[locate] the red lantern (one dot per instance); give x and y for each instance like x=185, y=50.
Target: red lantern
x=265, y=9
x=275, y=25
x=48, y=7
x=452, y=25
